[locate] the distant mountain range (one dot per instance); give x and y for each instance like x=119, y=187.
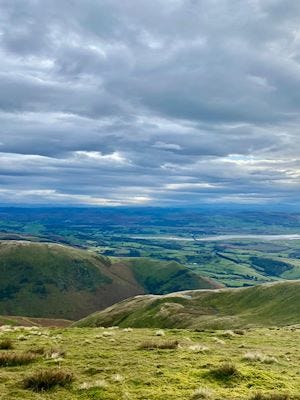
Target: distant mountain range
x=56, y=281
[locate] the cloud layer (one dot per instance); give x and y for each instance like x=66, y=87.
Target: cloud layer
x=163, y=102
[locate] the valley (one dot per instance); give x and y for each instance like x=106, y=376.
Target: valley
x=58, y=281
x=229, y=247
x=140, y=304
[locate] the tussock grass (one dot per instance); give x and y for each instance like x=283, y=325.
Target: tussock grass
x=117, y=378
x=55, y=353
x=38, y=350
x=253, y=356
x=198, y=348
x=52, y=352
x=108, y=334
x=48, y=379
x=127, y=330
x=217, y=340
x=203, y=393
x=6, y=344
x=164, y=345
x=270, y=360
x=259, y=357
x=240, y=332
x=14, y=359
x=23, y=337
x=228, y=334
x=270, y=396
x=225, y=371
x=101, y=383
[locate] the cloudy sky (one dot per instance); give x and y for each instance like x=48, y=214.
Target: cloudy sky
x=161, y=102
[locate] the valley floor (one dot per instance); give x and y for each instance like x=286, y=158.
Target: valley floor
x=122, y=363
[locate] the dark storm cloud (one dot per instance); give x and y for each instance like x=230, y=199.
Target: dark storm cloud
x=138, y=102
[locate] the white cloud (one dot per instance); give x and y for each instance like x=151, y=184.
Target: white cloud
x=190, y=186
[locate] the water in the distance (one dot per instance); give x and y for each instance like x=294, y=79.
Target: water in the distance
x=222, y=237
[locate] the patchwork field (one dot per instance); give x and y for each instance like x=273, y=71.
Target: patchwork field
x=137, y=234
x=115, y=363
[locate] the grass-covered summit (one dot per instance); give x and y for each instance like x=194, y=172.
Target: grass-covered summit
x=262, y=305
x=56, y=281
x=146, y=364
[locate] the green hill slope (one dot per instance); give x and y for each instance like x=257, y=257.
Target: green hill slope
x=56, y=281
x=262, y=305
x=160, y=277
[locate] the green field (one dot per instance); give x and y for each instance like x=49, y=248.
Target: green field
x=135, y=233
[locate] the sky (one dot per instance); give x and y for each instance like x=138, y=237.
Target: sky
x=151, y=103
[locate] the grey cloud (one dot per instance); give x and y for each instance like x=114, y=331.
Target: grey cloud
x=199, y=94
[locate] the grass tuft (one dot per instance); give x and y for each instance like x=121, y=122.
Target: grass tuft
x=6, y=344
x=117, y=378
x=225, y=371
x=203, y=393
x=47, y=379
x=55, y=353
x=257, y=356
x=100, y=383
x=198, y=348
x=228, y=334
x=15, y=359
x=270, y=396
x=240, y=332
x=38, y=350
x=151, y=345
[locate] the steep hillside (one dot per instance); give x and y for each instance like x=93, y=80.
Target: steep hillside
x=263, y=305
x=56, y=281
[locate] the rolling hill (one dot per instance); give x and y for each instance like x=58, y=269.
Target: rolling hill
x=263, y=305
x=56, y=281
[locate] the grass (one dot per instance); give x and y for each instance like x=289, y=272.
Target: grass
x=165, y=276
x=203, y=393
x=47, y=379
x=257, y=356
x=6, y=344
x=225, y=371
x=165, y=345
x=15, y=359
x=70, y=283
x=270, y=396
x=115, y=368
x=234, y=309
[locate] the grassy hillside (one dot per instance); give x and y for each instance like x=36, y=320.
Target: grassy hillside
x=262, y=305
x=159, y=277
x=15, y=321
x=56, y=281
x=137, y=364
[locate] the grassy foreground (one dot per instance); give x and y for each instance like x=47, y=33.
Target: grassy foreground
x=115, y=363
